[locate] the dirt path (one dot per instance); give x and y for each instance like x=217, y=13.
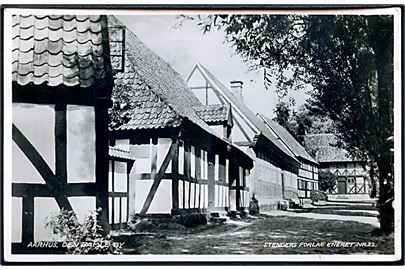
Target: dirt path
x=251, y=236
x=368, y=220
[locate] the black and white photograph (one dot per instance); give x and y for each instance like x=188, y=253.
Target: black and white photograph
x=202, y=134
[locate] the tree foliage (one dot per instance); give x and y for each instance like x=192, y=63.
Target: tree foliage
x=347, y=59
x=327, y=181
x=301, y=121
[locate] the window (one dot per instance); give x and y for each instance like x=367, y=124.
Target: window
x=301, y=184
x=350, y=180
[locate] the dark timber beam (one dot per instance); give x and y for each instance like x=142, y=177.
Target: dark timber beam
x=175, y=176
x=158, y=179
x=211, y=180
x=27, y=219
x=42, y=167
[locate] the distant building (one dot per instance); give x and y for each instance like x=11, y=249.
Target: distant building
x=308, y=172
x=351, y=173
x=274, y=176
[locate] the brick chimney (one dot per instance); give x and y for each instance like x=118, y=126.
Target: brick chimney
x=236, y=88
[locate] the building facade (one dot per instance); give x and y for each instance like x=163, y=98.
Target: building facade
x=308, y=171
x=181, y=166
x=274, y=176
x=351, y=173
x=61, y=87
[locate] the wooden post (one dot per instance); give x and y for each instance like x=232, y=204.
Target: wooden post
x=153, y=157
x=27, y=219
x=211, y=180
x=198, y=174
x=102, y=137
x=61, y=143
x=282, y=185
x=187, y=173
x=175, y=177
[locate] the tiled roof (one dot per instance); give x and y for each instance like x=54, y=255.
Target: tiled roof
x=162, y=96
x=148, y=111
x=288, y=139
x=148, y=72
x=119, y=152
x=214, y=114
x=253, y=119
x=56, y=50
x=325, y=149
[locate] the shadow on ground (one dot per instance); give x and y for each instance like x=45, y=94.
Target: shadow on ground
x=251, y=236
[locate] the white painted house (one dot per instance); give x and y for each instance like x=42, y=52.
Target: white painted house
x=274, y=176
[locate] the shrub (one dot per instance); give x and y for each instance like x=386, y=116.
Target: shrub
x=87, y=237
x=317, y=195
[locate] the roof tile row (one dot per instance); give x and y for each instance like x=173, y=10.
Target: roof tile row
x=57, y=50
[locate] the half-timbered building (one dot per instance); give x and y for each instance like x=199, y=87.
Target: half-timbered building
x=274, y=176
x=61, y=89
x=351, y=172
x=308, y=172
x=181, y=166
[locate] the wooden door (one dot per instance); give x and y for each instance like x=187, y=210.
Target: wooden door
x=342, y=186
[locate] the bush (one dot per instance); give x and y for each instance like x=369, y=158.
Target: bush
x=327, y=181
x=317, y=195
x=87, y=236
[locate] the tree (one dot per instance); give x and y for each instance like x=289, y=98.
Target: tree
x=327, y=181
x=283, y=114
x=301, y=121
x=347, y=59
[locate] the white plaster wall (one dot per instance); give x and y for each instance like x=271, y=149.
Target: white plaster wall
x=162, y=201
x=37, y=123
x=120, y=176
x=181, y=194
x=81, y=144
x=163, y=149
x=142, y=188
x=46, y=207
x=16, y=215
x=219, y=130
x=44, y=210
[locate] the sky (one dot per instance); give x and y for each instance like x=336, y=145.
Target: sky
x=182, y=44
